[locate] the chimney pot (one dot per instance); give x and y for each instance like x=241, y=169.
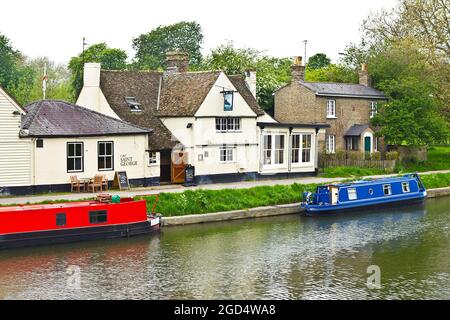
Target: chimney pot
x=364, y=78
x=297, y=70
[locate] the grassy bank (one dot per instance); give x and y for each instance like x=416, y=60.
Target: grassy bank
x=205, y=201
x=438, y=159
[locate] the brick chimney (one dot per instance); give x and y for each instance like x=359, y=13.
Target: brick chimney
x=364, y=78
x=177, y=61
x=250, y=81
x=297, y=70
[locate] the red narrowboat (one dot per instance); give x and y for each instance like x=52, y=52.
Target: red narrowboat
x=27, y=225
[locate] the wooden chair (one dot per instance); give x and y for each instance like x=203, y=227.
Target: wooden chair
x=105, y=183
x=76, y=184
x=97, y=182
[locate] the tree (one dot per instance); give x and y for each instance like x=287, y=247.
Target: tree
x=9, y=62
x=332, y=73
x=427, y=21
x=317, y=61
x=272, y=72
x=151, y=47
x=411, y=116
x=110, y=59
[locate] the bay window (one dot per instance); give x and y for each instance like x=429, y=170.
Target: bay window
x=301, y=148
x=274, y=146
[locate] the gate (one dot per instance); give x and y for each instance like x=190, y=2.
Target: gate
x=179, y=161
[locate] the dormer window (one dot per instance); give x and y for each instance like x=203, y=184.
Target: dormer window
x=133, y=104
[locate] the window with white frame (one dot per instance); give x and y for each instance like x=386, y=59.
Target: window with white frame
x=301, y=148
x=153, y=159
x=296, y=148
x=105, y=155
x=274, y=146
x=226, y=154
x=306, y=148
x=228, y=124
x=330, y=144
x=405, y=186
x=352, y=194
x=267, y=149
x=75, y=158
x=331, y=109
x=373, y=108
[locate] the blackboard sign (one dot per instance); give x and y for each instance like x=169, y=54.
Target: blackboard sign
x=121, y=180
x=189, y=176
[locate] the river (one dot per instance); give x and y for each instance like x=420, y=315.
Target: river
x=286, y=257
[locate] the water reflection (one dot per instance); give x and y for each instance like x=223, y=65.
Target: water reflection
x=289, y=257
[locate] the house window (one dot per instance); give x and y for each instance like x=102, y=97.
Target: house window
x=387, y=189
x=228, y=124
x=352, y=143
x=96, y=217
x=301, y=148
x=228, y=100
x=352, y=194
x=61, y=219
x=331, y=109
x=105, y=156
x=274, y=149
x=153, y=159
x=267, y=149
x=133, y=104
x=373, y=108
x=405, y=187
x=306, y=148
x=226, y=154
x=295, y=148
x=75, y=159
x=39, y=143
x=330, y=144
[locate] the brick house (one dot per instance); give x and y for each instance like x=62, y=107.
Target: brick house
x=346, y=107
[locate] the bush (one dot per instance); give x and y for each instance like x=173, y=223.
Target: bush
x=392, y=155
x=376, y=155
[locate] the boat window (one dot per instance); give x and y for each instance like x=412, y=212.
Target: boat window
x=405, y=186
x=352, y=194
x=387, y=189
x=371, y=191
x=98, y=216
x=60, y=219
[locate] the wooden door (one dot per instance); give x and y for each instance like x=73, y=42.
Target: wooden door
x=179, y=161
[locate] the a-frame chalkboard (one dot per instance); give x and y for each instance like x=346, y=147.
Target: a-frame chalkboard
x=121, y=180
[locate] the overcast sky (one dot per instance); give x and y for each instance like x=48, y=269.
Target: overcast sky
x=55, y=28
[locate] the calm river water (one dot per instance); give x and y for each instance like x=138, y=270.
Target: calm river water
x=288, y=257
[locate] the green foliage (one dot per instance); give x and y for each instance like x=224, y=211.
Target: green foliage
x=9, y=59
x=392, y=155
x=351, y=172
x=331, y=73
x=110, y=59
x=437, y=180
x=272, y=72
x=205, y=201
x=318, y=61
x=151, y=47
x=438, y=159
x=411, y=116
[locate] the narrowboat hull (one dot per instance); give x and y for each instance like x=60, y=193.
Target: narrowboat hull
x=406, y=200
x=26, y=239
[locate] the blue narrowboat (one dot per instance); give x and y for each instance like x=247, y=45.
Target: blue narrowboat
x=342, y=197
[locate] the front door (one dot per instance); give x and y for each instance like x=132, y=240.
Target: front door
x=179, y=161
x=367, y=144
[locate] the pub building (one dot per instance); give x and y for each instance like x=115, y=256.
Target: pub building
x=47, y=142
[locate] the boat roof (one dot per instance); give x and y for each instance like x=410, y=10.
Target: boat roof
x=375, y=181
x=27, y=207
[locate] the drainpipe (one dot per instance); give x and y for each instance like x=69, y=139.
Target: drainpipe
x=289, y=144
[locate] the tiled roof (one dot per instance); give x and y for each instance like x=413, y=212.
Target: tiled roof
x=183, y=93
x=54, y=118
x=356, y=130
x=239, y=84
x=144, y=86
x=343, y=89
